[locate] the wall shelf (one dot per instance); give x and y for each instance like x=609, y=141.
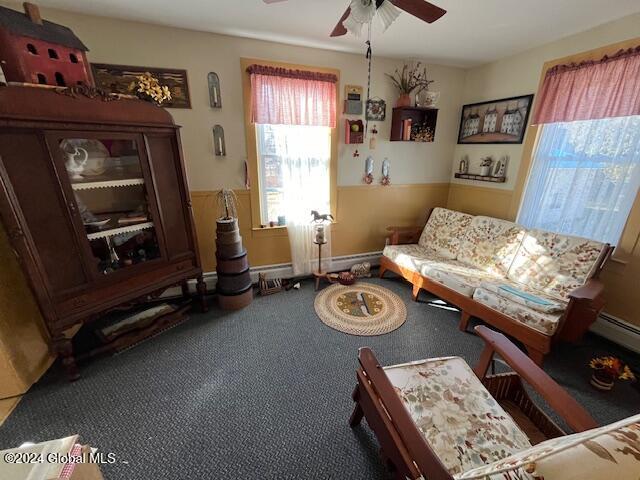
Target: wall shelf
x=419, y=116
x=482, y=178
x=108, y=184
x=117, y=231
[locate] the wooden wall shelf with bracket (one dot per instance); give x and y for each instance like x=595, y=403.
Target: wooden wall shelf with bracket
x=482, y=178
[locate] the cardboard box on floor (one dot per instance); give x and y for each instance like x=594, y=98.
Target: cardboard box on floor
x=39, y=470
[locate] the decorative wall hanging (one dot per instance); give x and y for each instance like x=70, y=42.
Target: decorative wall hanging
x=498, y=121
x=373, y=140
x=354, y=132
x=118, y=78
x=376, y=109
x=353, y=100
x=368, y=171
x=219, y=146
x=385, y=180
x=147, y=87
x=500, y=168
x=215, y=95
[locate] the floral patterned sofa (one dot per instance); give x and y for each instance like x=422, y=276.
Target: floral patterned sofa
x=535, y=285
x=438, y=419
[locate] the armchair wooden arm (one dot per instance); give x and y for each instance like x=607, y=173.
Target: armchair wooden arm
x=556, y=396
x=590, y=291
x=402, y=235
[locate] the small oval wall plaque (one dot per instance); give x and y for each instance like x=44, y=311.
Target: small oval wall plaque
x=215, y=96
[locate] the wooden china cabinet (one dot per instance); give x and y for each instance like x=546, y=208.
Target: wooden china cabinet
x=95, y=201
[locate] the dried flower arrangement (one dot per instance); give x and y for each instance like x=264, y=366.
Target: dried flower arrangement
x=227, y=204
x=147, y=87
x=409, y=80
x=607, y=370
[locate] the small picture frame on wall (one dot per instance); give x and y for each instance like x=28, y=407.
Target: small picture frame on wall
x=117, y=78
x=497, y=121
x=376, y=109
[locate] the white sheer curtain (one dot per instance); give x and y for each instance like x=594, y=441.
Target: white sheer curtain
x=305, y=154
x=584, y=178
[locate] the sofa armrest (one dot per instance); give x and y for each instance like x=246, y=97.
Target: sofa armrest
x=402, y=235
x=590, y=291
x=556, y=396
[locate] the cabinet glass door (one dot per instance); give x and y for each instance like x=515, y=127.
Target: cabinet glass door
x=108, y=182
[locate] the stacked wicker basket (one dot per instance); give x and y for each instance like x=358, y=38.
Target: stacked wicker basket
x=234, y=287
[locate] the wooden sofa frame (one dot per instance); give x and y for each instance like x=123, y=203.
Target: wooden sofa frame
x=585, y=302
x=405, y=450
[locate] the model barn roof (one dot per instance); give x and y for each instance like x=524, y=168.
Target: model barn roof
x=19, y=24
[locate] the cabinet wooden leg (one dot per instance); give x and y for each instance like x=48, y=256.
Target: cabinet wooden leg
x=464, y=321
x=64, y=348
x=185, y=290
x=201, y=288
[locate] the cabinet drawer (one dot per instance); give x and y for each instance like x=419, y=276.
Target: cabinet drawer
x=106, y=297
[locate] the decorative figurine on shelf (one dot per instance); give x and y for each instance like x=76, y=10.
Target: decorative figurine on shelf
x=500, y=168
x=368, y=171
x=361, y=270
x=385, y=181
x=463, y=167
x=321, y=217
x=485, y=166
x=606, y=370
x=372, y=140
x=76, y=161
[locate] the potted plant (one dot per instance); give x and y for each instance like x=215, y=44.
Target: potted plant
x=606, y=370
x=485, y=166
x=409, y=80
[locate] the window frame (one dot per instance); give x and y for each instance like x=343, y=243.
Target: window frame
x=252, y=141
x=631, y=232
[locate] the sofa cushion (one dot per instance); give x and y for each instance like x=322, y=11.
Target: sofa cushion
x=444, y=231
x=543, y=322
x=455, y=413
x=490, y=244
x=525, y=295
x=604, y=453
x=412, y=256
x=457, y=276
x=555, y=264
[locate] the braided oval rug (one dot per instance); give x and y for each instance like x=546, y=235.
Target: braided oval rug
x=360, y=309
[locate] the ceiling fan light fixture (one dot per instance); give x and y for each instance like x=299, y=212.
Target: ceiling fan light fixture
x=362, y=13
x=387, y=13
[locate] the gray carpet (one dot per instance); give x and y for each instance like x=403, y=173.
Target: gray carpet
x=261, y=393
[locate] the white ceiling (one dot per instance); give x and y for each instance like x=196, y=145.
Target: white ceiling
x=471, y=33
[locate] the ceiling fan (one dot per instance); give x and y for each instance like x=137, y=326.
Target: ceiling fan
x=361, y=12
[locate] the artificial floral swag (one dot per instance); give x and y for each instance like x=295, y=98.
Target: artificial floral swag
x=147, y=87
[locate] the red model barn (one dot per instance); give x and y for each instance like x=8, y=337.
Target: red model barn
x=33, y=50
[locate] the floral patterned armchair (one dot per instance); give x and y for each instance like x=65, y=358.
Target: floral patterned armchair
x=438, y=419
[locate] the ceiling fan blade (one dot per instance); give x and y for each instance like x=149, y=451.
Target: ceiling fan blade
x=419, y=8
x=339, y=30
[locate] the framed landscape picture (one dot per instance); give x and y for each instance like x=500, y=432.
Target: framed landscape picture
x=117, y=78
x=498, y=121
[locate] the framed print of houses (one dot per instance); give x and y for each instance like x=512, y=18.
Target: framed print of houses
x=498, y=121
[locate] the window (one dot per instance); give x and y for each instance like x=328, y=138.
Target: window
x=60, y=79
x=293, y=162
x=31, y=48
x=584, y=178
x=53, y=54
x=73, y=58
x=42, y=80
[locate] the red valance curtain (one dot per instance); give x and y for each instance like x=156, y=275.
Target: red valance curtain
x=292, y=97
x=591, y=90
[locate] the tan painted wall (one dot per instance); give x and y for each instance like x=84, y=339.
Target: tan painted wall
x=519, y=75
x=364, y=212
